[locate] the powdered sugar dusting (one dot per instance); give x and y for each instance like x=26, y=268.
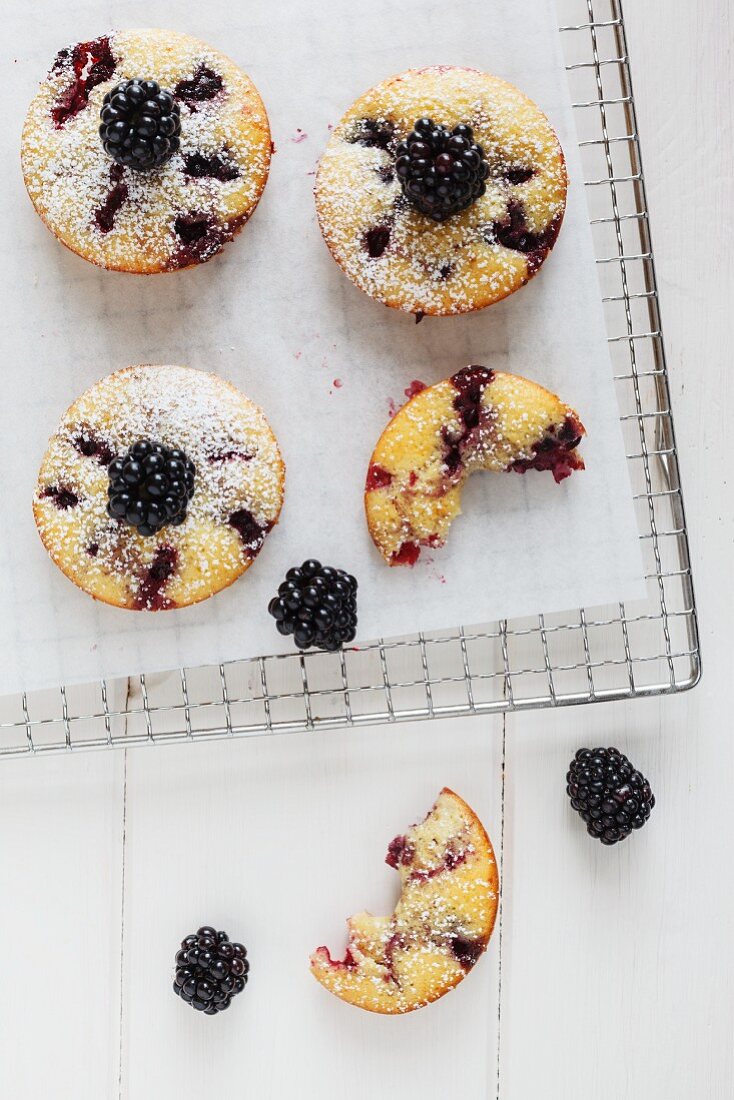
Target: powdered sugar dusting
x=477, y=420
x=70, y=177
x=238, y=469
x=461, y=264
x=441, y=923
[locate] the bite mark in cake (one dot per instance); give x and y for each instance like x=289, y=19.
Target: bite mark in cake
x=441, y=923
x=479, y=419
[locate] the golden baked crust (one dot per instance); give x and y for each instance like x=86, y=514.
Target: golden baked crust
x=441, y=923
x=237, y=498
x=479, y=419
x=171, y=217
x=461, y=264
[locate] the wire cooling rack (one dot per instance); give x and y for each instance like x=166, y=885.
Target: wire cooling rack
x=623, y=651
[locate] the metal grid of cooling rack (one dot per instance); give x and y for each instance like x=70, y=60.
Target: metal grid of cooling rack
x=625, y=651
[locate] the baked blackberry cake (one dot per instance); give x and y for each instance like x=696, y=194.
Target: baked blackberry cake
x=441, y=923
x=442, y=190
x=479, y=419
x=158, y=488
x=145, y=150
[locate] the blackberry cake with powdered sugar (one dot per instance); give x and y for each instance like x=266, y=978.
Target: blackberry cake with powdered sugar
x=442, y=190
x=479, y=419
x=145, y=150
x=440, y=926
x=158, y=488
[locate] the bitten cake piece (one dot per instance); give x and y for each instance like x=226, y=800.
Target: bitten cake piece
x=145, y=150
x=441, y=923
x=479, y=419
x=158, y=488
x=442, y=190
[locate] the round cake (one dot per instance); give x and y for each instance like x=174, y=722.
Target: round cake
x=158, y=488
x=441, y=923
x=441, y=191
x=479, y=419
x=149, y=179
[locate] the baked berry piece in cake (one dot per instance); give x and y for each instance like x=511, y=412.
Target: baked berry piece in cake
x=145, y=150
x=158, y=488
x=442, y=190
x=441, y=923
x=479, y=419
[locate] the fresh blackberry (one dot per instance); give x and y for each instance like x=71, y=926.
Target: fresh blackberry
x=210, y=970
x=141, y=124
x=608, y=793
x=150, y=487
x=441, y=171
x=317, y=605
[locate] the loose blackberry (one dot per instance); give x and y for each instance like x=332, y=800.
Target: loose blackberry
x=608, y=793
x=317, y=605
x=210, y=970
x=150, y=487
x=441, y=171
x=140, y=125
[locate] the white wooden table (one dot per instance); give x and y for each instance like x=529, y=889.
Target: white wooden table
x=615, y=964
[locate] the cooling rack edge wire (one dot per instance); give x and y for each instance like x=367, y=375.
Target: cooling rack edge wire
x=591, y=655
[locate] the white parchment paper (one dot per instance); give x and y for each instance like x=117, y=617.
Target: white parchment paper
x=275, y=315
